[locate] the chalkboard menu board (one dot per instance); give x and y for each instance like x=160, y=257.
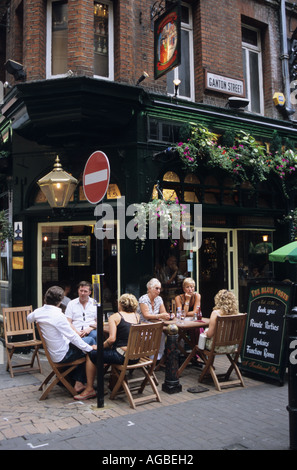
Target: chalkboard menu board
x=264, y=342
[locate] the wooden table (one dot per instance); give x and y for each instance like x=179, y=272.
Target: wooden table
x=184, y=326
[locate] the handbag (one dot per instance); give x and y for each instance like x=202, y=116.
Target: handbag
x=202, y=341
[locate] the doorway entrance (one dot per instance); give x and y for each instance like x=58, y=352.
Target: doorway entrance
x=212, y=268
x=67, y=255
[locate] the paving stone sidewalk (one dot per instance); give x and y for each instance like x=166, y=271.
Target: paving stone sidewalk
x=254, y=417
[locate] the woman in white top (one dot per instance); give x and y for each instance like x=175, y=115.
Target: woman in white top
x=152, y=308
x=151, y=305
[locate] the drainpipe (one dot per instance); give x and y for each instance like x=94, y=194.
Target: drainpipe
x=285, y=59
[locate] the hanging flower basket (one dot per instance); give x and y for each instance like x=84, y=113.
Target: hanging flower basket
x=245, y=160
x=158, y=219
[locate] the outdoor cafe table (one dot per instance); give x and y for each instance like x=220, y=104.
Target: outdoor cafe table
x=183, y=328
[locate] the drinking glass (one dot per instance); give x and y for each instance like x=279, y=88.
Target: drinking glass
x=182, y=316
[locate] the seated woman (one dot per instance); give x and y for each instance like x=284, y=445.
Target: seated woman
x=152, y=308
x=189, y=300
x=225, y=304
x=151, y=305
x=115, y=345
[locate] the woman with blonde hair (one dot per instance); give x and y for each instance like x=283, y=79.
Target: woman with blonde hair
x=189, y=300
x=115, y=345
x=225, y=304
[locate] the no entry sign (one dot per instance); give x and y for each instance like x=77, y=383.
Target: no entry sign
x=96, y=177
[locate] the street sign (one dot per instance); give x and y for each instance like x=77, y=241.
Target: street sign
x=96, y=177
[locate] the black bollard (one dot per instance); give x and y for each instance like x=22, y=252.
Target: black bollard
x=292, y=375
x=171, y=384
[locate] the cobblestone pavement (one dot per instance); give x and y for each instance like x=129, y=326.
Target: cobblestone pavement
x=254, y=417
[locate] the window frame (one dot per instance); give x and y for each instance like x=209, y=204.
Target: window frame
x=49, y=74
x=258, y=50
x=110, y=41
x=49, y=16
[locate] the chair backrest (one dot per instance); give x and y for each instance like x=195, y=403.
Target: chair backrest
x=144, y=340
x=16, y=323
x=44, y=345
x=229, y=330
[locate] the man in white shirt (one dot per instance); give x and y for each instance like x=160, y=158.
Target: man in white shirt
x=82, y=313
x=62, y=342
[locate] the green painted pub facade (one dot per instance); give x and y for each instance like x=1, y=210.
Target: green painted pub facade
x=82, y=63
x=136, y=129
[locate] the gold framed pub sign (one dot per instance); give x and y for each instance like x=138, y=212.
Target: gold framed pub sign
x=167, y=41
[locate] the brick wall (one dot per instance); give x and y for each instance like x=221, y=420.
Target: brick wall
x=80, y=36
x=34, y=40
x=217, y=42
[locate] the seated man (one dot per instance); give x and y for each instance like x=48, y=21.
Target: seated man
x=62, y=342
x=82, y=313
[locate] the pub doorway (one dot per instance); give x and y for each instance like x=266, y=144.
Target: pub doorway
x=67, y=255
x=213, y=267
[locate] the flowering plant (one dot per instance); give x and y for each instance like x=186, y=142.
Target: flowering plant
x=244, y=160
x=284, y=163
x=200, y=145
x=160, y=218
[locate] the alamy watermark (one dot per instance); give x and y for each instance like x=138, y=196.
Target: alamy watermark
x=293, y=354
x=136, y=223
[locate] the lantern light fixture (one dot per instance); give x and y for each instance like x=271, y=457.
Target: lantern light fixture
x=58, y=186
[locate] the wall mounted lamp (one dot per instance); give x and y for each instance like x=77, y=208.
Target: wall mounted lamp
x=57, y=186
x=7, y=85
x=235, y=102
x=16, y=69
x=143, y=77
x=176, y=83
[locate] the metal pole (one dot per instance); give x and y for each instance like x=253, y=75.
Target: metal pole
x=100, y=334
x=292, y=376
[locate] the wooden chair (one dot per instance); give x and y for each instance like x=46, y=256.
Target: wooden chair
x=227, y=340
x=59, y=371
x=16, y=326
x=143, y=344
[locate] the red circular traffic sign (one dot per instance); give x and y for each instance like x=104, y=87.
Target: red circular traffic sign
x=96, y=177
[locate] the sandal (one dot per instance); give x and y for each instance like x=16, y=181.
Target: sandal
x=86, y=396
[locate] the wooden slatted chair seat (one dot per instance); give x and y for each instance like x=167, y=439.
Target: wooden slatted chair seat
x=143, y=345
x=59, y=372
x=16, y=327
x=227, y=340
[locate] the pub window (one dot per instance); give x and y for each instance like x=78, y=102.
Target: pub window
x=230, y=194
x=252, y=68
x=57, y=38
x=184, y=71
x=163, y=131
x=191, y=188
x=169, y=184
x=211, y=191
x=103, y=39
